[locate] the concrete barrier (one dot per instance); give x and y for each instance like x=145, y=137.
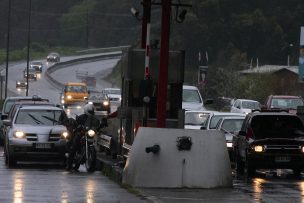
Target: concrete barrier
x=205, y=165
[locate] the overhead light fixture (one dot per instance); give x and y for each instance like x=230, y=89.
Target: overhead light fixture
x=135, y=13
x=182, y=15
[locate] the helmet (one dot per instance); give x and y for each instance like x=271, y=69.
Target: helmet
x=88, y=109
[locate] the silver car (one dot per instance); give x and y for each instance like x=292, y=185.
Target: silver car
x=36, y=132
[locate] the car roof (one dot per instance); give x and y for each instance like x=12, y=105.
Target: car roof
x=111, y=88
x=233, y=117
x=199, y=111
x=250, y=100
x=40, y=107
x=189, y=87
x=286, y=96
x=75, y=84
x=36, y=61
x=228, y=113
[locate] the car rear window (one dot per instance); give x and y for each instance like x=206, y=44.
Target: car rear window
x=286, y=103
x=277, y=126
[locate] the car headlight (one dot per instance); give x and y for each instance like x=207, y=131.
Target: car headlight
x=105, y=103
x=258, y=148
x=229, y=144
x=69, y=97
x=90, y=102
x=91, y=133
x=302, y=149
x=19, y=134
x=65, y=135
x=18, y=83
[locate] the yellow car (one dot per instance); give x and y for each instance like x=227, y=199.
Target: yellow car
x=73, y=93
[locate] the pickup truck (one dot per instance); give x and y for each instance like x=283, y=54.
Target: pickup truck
x=284, y=102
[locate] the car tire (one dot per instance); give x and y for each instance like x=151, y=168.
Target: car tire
x=11, y=160
x=239, y=165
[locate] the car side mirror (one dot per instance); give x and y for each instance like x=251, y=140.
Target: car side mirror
x=242, y=133
x=4, y=116
x=7, y=122
x=203, y=128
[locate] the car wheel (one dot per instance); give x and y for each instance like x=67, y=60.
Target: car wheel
x=239, y=165
x=11, y=161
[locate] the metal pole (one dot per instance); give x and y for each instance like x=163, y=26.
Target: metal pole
x=163, y=67
x=7, y=44
x=87, y=28
x=145, y=20
x=28, y=47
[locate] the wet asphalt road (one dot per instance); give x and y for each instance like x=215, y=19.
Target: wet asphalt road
x=51, y=183
x=30, y=182
x=275, y=186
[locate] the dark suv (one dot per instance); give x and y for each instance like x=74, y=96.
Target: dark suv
x=270, y=140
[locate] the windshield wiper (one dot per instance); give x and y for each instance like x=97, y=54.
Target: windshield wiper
x=51, y=119
x=35, y=119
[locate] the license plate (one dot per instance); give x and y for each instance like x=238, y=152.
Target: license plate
x=43, y=145
x=282, y=159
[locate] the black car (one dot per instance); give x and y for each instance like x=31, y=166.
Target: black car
x=101, y=103
x=37, y=65
x=32, y=73
x=21, y=84
x=53, y=57
x=270, y=140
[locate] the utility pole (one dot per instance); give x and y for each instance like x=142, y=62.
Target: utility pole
x=163, y=66
x=145, y=21
x=7, y=45
x=28, y=47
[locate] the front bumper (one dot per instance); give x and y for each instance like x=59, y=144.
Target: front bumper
x=275, y=161
x=23, y=149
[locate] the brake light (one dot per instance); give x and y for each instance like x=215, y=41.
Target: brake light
x=249, y=133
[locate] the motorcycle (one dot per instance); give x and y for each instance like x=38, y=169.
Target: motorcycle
x=86, y=153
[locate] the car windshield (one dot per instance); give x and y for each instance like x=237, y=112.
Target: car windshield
x=286, y=103
x=113, y=91
x=36, y=63
x=232, y=125
x=97, y=97
x=196, y=118
x=277, y=126
x=40, y=117
x=215, y=119
x=250, y=105
x=74, y=88
x=191, y=96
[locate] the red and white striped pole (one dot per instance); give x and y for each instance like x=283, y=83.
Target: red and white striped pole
x=147, y=56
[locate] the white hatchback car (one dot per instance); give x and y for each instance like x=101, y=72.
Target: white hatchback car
x=196, y=119
x=192, y=99
x=245, y=106
x=36, y=132
x=215, y=117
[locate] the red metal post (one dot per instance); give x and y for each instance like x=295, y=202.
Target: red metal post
x=163, y=66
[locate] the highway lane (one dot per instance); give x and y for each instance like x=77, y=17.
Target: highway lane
x=41, y=86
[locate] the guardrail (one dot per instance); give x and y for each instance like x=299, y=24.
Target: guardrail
x=61, y=65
